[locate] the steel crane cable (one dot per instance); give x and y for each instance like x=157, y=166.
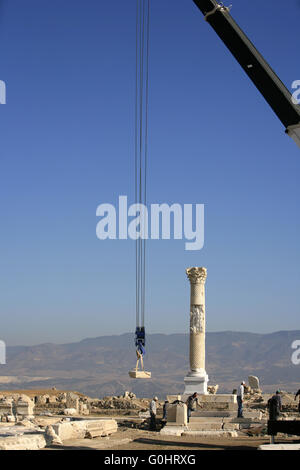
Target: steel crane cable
x=141, y=146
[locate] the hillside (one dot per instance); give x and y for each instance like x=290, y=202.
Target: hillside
x=99, y=366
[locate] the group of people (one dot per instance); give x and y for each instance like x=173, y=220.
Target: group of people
x=274, y=405
x=153, y=412
x=191, y=406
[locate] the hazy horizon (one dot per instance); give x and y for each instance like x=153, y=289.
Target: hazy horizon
x=78, y=340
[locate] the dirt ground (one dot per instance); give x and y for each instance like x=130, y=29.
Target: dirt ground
x=135, y=439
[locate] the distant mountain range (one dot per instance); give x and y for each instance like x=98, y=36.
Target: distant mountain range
x=99, y=366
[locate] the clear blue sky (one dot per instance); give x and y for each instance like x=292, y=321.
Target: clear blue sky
x=67, y=145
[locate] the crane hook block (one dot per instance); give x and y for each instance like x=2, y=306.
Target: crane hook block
x=140, y=336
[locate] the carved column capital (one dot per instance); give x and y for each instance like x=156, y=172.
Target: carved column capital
x=196, y=275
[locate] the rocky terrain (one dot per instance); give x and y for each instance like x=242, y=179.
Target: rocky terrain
x=38, y=419
x=99, y=367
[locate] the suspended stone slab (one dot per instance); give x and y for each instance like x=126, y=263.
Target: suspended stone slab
x=139, y=374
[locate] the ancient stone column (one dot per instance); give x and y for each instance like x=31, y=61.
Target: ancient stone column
x=196, y=380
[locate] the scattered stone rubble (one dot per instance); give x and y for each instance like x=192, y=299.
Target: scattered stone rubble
x=33, y=426
x=212, y=389
x=27, y=423
x=18, y=406
x=22, y=429
x=126, y=402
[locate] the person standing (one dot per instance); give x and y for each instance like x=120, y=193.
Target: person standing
x=298, y=395
x=240, y=399
x=153, y=410
x=275, y=406
x=191, y=404
x=165, y=410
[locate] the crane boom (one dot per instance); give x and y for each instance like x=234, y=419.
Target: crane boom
x=253, y=63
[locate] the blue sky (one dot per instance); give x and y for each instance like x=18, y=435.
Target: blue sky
x=67, y=145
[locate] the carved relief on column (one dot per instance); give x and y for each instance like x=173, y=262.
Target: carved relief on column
x=197, y=319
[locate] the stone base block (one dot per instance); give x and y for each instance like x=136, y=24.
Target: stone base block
x=139, y=374
x=195, y=383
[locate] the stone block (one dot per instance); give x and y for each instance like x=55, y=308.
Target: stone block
x=71, y=430
x=172, y=398
x=181, y=414
x=253, y=382
x=254, y=414
x=70, y=411
x=279, y=447
x=218, y=398
x=83, y=409
x=211, y=434
x=177, y=414
x=5, y=407
x=139, y=374
x=208, y=426
x=172, y=430
x=212, y=389
x=214, y=414
x=26, y=442
x=10, y=419
x=23, y=408
x=51, y=437
x=101, y=428
x=231, y=427
x=72, y=401
x=197, y=383
x=203, y=419
x=246, y=420
x=171, y=415
x=84, y=428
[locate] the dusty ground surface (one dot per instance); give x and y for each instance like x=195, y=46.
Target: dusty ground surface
x=133, y=433
x=128, y=439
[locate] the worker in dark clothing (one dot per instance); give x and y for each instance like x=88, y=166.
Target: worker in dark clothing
x=298, y=395
x=165, y=410
x=275, y=406
x=191, y=405
x=153, y=411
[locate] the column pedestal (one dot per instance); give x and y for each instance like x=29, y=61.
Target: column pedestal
x=196, y=383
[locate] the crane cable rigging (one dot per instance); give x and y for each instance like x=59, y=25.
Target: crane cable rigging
x=141, y=156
